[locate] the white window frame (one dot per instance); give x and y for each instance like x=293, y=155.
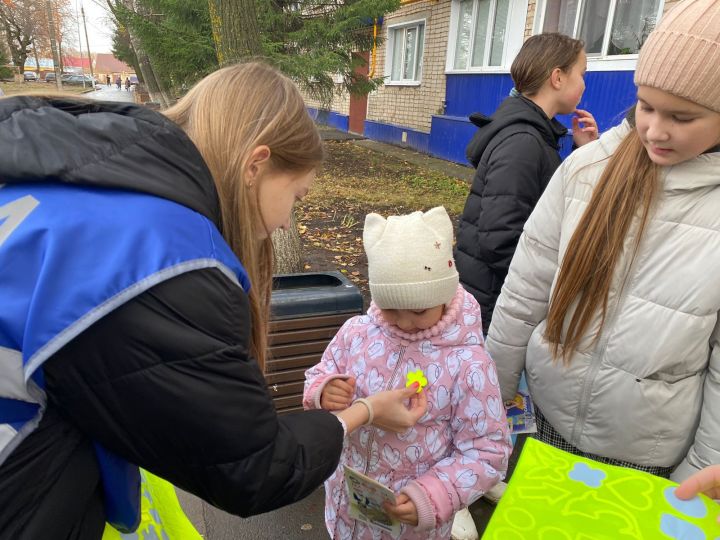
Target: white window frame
x=415, y=23
x=514, y=36
x=601, y=62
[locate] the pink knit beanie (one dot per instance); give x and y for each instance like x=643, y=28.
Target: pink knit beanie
x=682, y=55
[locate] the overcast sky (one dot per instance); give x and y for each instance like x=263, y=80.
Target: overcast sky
x=99, y=27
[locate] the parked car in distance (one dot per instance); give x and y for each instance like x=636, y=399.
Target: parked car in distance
x=78, y=79
x=50, y=76
x=133, y=79
x=30, y=76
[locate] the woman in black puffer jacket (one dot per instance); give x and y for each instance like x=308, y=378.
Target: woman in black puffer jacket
x=135, y=285
x=515, y=153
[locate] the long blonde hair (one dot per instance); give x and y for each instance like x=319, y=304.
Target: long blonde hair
x=227, y=115
x=629, y=183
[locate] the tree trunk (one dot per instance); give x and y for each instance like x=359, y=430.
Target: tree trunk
x=53, y=46
x=235, y=30
x=237, y=36
x=37, y=59
x=18, y=47
x=146, y=69
x=162, y=89
x=148, y=73
x=288, y=250
x=159, y=83
x=20, y=60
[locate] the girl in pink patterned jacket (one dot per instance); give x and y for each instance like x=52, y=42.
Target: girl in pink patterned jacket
x=420, y=319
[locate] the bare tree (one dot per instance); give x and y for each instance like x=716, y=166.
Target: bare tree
x=65, y=26
x=18, y=19
x=36, y=55
x=58, y=11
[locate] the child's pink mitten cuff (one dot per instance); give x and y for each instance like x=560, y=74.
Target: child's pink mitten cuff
x=423, y=504
x=321, y=387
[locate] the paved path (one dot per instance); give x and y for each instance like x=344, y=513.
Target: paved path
x=103, y=93
x=328, y=133
x=303, y=520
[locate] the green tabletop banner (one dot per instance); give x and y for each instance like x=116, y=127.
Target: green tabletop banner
x=554, y=495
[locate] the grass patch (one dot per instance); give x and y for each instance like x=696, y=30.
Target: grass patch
x=13, y=88
x=377, y=182
x=355, y=181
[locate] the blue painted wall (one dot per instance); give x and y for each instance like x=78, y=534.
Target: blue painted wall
x=465, y=94
x=449, y=135
x=377, y=131
x=607, y=96
x=389, y=133
x=330, y=118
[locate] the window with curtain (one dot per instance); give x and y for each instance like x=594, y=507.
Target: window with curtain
x=406, y=52
x=481, y=33
x=608, y=27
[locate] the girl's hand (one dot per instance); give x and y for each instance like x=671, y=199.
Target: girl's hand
x=337, y=394
x=584, y=127
x=706, y=481
x=403, y=510
x=391, y=411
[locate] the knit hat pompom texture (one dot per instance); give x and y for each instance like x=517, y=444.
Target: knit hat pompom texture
x=410, y=260
x=682, y=55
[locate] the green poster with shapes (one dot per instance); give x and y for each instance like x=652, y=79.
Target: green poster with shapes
x=554, y=495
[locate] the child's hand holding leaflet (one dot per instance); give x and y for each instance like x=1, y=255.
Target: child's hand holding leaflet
x=366, y=497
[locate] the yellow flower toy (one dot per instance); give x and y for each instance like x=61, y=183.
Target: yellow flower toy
x=416, y=377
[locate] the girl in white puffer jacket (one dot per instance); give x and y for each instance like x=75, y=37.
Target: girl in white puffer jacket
x=611, y=302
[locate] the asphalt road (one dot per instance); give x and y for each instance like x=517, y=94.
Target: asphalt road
x=302, y=520
x=103, y=93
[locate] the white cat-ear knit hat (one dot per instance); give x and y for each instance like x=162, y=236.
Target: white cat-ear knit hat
x=410, y=260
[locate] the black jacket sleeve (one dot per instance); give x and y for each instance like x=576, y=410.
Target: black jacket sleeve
x=166, y=381
x=513, y=185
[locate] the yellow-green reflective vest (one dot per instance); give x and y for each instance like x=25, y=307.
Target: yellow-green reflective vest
x=161, y=518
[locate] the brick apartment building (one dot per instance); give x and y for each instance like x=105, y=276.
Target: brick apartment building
x=445, y=59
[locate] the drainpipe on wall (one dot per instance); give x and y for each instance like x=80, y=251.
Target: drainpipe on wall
x=374, y=50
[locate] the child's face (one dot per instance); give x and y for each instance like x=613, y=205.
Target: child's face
x=673, y=129
x=413, y=320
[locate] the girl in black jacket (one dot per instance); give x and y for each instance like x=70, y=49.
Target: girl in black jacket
x=170, y=379
x=516, y=153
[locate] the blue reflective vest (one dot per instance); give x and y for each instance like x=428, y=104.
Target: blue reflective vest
x=68, y=257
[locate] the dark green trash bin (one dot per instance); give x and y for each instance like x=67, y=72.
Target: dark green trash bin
x=306, y=312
